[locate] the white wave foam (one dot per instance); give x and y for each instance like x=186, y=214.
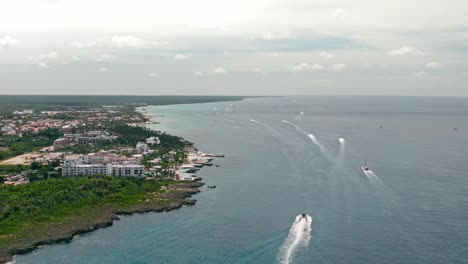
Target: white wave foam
x=299, y=236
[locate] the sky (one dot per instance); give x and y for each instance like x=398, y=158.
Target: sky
x=242, y=47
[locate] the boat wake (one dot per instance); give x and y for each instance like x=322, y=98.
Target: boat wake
x=341, y=148
x=311, y=137
x=295, y=126
x=299, y=116
x=318, y=144
x=299, y=236
x=255, y=121
x=371, y=175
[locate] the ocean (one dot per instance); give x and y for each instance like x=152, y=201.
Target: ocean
x=291, y=155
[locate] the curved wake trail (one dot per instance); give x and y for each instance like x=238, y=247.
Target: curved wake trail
x=318, y=144
x=295, y=126
x=311, y=137
x=299, y=236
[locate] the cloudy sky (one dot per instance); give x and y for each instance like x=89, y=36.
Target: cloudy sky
x=247, y=47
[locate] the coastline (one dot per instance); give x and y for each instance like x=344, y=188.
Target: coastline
x=176, y=196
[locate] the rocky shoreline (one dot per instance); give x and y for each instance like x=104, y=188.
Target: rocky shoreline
x=174, y=197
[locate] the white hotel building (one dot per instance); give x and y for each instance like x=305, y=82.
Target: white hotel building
x=80, y=166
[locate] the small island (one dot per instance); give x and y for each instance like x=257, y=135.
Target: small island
x=68, y=169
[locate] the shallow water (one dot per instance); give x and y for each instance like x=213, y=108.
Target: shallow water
x=417, y=212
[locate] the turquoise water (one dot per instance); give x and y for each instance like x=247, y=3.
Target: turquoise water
x=273, y=171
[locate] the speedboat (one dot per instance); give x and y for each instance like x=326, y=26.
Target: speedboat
x=364, y=167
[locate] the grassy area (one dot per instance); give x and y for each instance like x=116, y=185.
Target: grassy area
x=56, y=208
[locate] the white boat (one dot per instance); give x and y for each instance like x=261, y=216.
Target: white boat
x=364, y=167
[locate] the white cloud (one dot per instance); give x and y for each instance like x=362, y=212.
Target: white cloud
x=259, y=71
x=127, y=42
x=48, y=56
x=337, y=13
x=198, y=74
x=274, y=35
x=432, y=65
x=219, y=71
x=420, y=75
x=8, y=42
x=76, y=58
x=153, y=75
x=181, y=57
x=103, y=69
x=43, y=65
x=339, y=67
x=307, y=67
x=83, y=45
x=405, y=50
x=105, y=57
x=326, y=55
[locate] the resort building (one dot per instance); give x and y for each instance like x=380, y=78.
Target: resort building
x=126, y=170
x=141, y=147
x=82, y=170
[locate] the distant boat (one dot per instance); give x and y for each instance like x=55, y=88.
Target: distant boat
x=364, y=167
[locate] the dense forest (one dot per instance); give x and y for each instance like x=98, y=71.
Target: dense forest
x=54, y=199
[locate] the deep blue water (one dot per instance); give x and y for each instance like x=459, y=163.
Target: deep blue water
x=273, y=171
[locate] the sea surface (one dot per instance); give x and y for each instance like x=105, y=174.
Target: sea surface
x=283, y=158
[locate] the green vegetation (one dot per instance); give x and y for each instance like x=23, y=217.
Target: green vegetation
x=8, y=169
x=55, y=209
x=10, y=103
x=130, y=136
x=53, y=199
x=15, y=145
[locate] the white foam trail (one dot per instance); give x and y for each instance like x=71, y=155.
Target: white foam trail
x=255, y=121
x=298, y=129
x=311, y=137
x=299, y=116
x=299, y=236
x=341, y=147
x=317, y=143
x=284, y=121
x=372, y=176
x=369, y=177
